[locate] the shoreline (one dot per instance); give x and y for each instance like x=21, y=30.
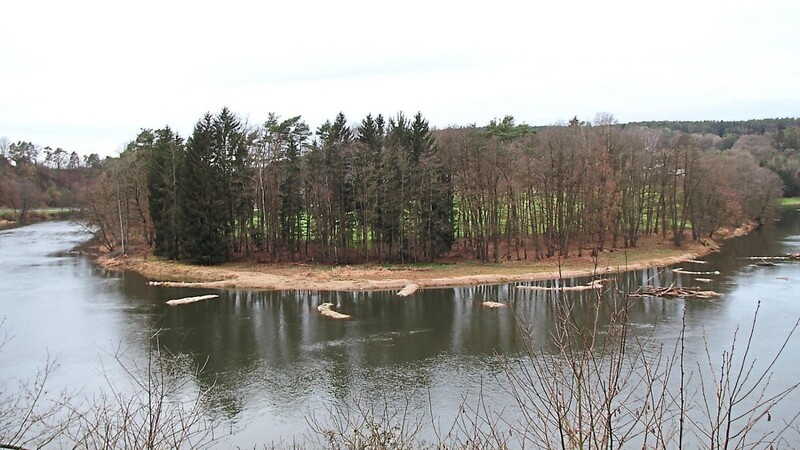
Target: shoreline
x=37, y=216
x=654, y=252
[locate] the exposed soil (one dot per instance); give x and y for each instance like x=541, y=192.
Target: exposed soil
x=652, y=252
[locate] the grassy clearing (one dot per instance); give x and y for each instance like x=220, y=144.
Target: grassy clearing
x=790, y=201
x=40, y=210
x=38, y=214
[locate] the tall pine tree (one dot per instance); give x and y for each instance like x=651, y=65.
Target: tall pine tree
x=204, y=218
x=166, y=158
x=397, y=188
x=290, y=136
x=434, y=196
x=231, y=147
x=372, y=133
x=337, y=150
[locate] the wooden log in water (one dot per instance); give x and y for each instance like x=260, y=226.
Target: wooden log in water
x=409, y=289
x=673, y=292
x=491, y=304
x=597, y=284
x=169, y=283
x=786, y=257
x=764, y=263
x=681, y=270
x=765, y=258
x=325, y=310
x=187, y=300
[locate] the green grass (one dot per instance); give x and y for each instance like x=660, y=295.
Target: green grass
x=415, y=266
x=38, y=213
x=790, y=201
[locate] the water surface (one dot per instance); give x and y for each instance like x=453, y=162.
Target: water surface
x=275, y=361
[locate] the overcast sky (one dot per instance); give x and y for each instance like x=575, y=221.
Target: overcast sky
x=87, y=75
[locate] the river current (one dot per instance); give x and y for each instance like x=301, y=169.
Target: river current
x=275, y=362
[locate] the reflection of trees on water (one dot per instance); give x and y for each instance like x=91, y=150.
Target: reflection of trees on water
x=768, y=240
x=274, y=348
x=276, y=345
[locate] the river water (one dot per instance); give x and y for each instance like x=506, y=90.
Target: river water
x=275, y=362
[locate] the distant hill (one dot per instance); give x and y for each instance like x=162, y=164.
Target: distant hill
x=723, y=127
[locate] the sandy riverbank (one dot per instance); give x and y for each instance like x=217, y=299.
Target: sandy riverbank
x=653, y=252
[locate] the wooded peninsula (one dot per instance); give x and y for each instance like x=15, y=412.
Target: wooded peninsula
x=395, y=191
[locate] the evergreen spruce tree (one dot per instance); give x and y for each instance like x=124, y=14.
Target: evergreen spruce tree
x=434, y=196
x=230, y=145
x=371, y=133
x=397, y=188
x=336, y=139
x=165, y=159
x=291, y=136
x=204, y=218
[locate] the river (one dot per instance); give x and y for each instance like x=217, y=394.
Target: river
x=275, y=362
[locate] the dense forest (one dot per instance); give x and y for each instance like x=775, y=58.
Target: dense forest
x=393, y=189
x=32, y=177
x=722, y=128
x=774, y=142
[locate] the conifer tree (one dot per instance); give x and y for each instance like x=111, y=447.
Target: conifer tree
x=436, y=231
x=372, y=133
x=231, y=147
x=336, y=140
x=290, y=136
x=397, y=187
x=204, y=218
x=165, y=160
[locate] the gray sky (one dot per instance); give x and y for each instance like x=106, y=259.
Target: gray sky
x=87, y=75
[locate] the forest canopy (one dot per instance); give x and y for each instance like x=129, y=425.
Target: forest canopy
x=394, y=189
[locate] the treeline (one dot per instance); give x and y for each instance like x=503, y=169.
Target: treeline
x=774, y=142
x=590, y=186
x=723, y=127
x=395, y=190
x=34, y=177
x=377, y=191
